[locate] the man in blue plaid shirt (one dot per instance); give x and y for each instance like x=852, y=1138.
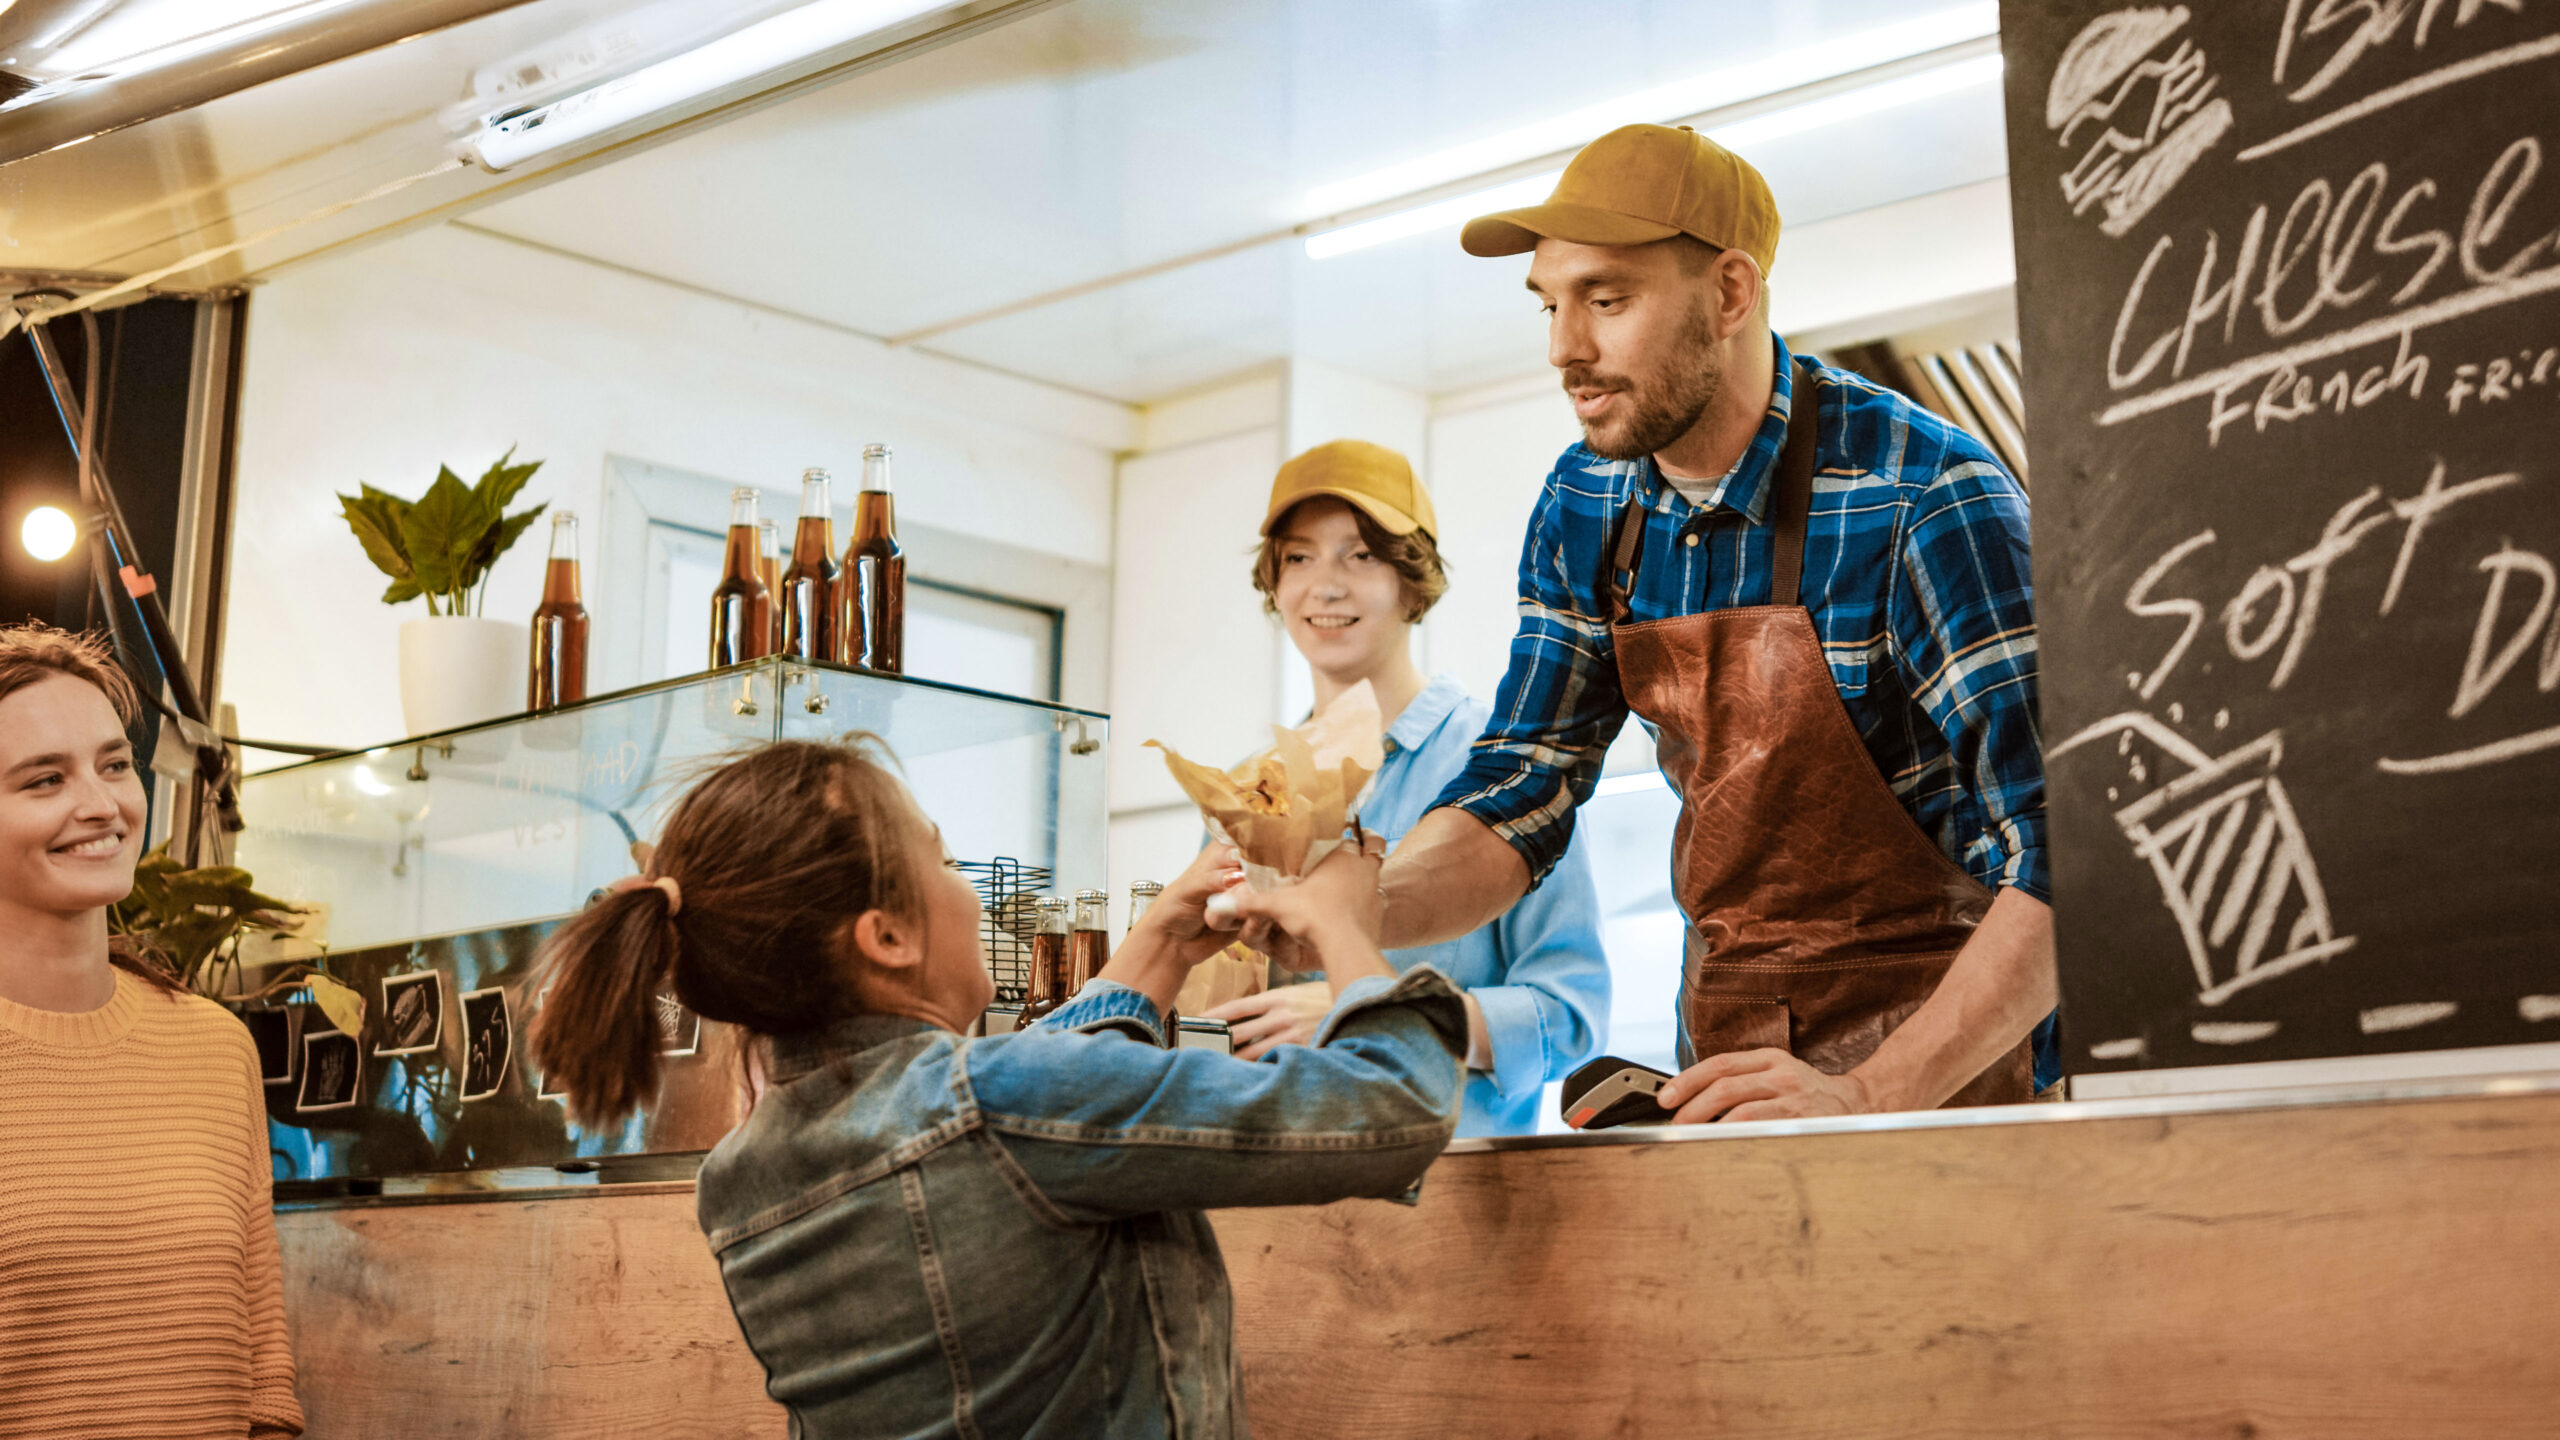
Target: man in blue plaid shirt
x=1816, y=594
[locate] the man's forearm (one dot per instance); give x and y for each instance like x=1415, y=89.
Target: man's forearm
x=2000, y=986
x=1450, y=876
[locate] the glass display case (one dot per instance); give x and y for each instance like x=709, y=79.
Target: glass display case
x=438, y=864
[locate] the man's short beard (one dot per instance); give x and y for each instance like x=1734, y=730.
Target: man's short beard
x=1662, y=407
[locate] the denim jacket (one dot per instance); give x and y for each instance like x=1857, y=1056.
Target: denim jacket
x=929, y=1235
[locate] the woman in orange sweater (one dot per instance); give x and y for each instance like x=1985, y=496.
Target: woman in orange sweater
x=140, y=1294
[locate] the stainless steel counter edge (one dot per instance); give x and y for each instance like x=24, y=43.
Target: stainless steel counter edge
x=543, y=1183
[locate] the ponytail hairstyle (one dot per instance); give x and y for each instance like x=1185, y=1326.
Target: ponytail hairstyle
x=36, y=651
x=773, y=855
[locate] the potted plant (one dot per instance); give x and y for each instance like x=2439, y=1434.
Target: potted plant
x=456, y=668
x=190, y=923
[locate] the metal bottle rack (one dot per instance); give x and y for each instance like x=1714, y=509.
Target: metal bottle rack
x=1010, y=892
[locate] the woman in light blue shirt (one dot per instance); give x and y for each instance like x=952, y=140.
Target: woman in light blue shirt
x=1349, y=562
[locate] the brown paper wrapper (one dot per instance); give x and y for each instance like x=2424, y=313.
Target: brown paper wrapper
x=1285, y=808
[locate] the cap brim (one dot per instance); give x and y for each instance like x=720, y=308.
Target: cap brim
x=1515, y=232
x=1388, y=517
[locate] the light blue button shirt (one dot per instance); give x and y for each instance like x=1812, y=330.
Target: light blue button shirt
x=1538, y=973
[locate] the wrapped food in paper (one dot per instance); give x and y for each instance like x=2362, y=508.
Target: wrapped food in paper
x=1285, y=809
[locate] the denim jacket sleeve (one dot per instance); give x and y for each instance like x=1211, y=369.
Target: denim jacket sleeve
x=1550, y=1012
x=1103, y=1120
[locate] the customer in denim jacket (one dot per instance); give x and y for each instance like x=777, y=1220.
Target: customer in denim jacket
x=924, y=1234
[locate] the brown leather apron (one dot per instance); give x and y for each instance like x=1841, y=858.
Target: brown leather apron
x=1820, y=915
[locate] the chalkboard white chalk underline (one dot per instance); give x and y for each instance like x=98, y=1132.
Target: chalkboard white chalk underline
x=2451, y=307
x=2384, y=99
x=2489, y=754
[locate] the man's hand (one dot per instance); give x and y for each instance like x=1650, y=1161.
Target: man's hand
x=1335, y=912
x=1760, y=1085
x=1286, y=1016
x=1157, y=954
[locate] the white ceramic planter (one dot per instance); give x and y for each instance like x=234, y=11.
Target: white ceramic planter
x=460, y=670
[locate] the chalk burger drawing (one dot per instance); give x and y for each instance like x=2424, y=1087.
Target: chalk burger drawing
x=2155, y=117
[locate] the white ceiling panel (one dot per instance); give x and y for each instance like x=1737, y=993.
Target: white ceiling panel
x=1105, y=136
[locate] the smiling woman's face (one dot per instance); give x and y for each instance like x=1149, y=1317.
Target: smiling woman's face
x=1345, y=607
x=71, y=801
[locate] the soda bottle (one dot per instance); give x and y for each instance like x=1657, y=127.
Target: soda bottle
x=559, y=663
x=1142, y=893
x=810, y=609
x=1089, y=943
x=769, y=570
x=1048, y=963
x=875, y=573
x=741, y=606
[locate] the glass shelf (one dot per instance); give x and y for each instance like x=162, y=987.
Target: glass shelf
x=518, y=820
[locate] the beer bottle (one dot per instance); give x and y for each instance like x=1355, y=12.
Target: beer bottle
x=559, y=665
x=875, y=573
x=1089, y=944
x=1142, y=893
x=808, y=595
x=769, y=570
x=1048, y=963
x=741, y=606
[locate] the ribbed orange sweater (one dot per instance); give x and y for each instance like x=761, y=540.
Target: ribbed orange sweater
x=140, y=1294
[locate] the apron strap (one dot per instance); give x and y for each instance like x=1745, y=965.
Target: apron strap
x=1794, y=500
x=1793, y=506
x=1621, y=579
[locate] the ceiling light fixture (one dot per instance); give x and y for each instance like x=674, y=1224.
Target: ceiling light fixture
x=1732, y=85
x=1741, y=134
x=48, y=533
x=511, y=139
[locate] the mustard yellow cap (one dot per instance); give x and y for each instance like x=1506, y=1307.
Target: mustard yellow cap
x=1638, y=184
x=1373, y=477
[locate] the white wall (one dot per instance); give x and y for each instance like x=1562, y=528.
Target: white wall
x=1195, y=659
x=446, y=346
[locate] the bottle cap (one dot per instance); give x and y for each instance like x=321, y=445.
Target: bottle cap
x=815, y=472
x=1053, y=902
x=1146, y=887
x=875, y=452
x=1084, y=895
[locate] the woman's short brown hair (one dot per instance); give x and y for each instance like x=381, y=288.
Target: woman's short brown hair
x=1421, y=575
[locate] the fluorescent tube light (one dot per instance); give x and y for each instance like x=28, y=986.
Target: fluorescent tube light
x=1436, y=216
x=1758, y=129
x=768, y=45
x=1732, y=85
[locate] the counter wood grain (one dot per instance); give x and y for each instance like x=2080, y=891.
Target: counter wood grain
x=2338, y=1272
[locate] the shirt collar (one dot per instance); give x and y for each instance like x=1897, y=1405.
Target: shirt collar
x=1745, y=489
x=1424, y=712
x=796, y=1055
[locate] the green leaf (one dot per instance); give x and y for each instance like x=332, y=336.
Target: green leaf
x=441, y=531
x=344, y=1007
x=381, y=546
x=497, y=488
x=501, y=536
x=401, y=591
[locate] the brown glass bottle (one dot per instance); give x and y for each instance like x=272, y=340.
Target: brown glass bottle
x=875, y=573
x=1089, y=942
x=1048, y=963
x=558, y=669
x=1142, y=893
x=812, y=616
x=741, y=606
x=769, y=570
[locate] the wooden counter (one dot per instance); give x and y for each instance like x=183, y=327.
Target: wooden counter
x=2329, y=1267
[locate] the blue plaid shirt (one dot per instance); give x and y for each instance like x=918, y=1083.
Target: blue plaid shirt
x=1917, y=550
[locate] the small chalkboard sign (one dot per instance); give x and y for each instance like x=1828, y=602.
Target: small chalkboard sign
x=2289, y=291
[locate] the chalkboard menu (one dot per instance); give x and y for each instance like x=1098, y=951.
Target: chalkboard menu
x=2289, y=290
